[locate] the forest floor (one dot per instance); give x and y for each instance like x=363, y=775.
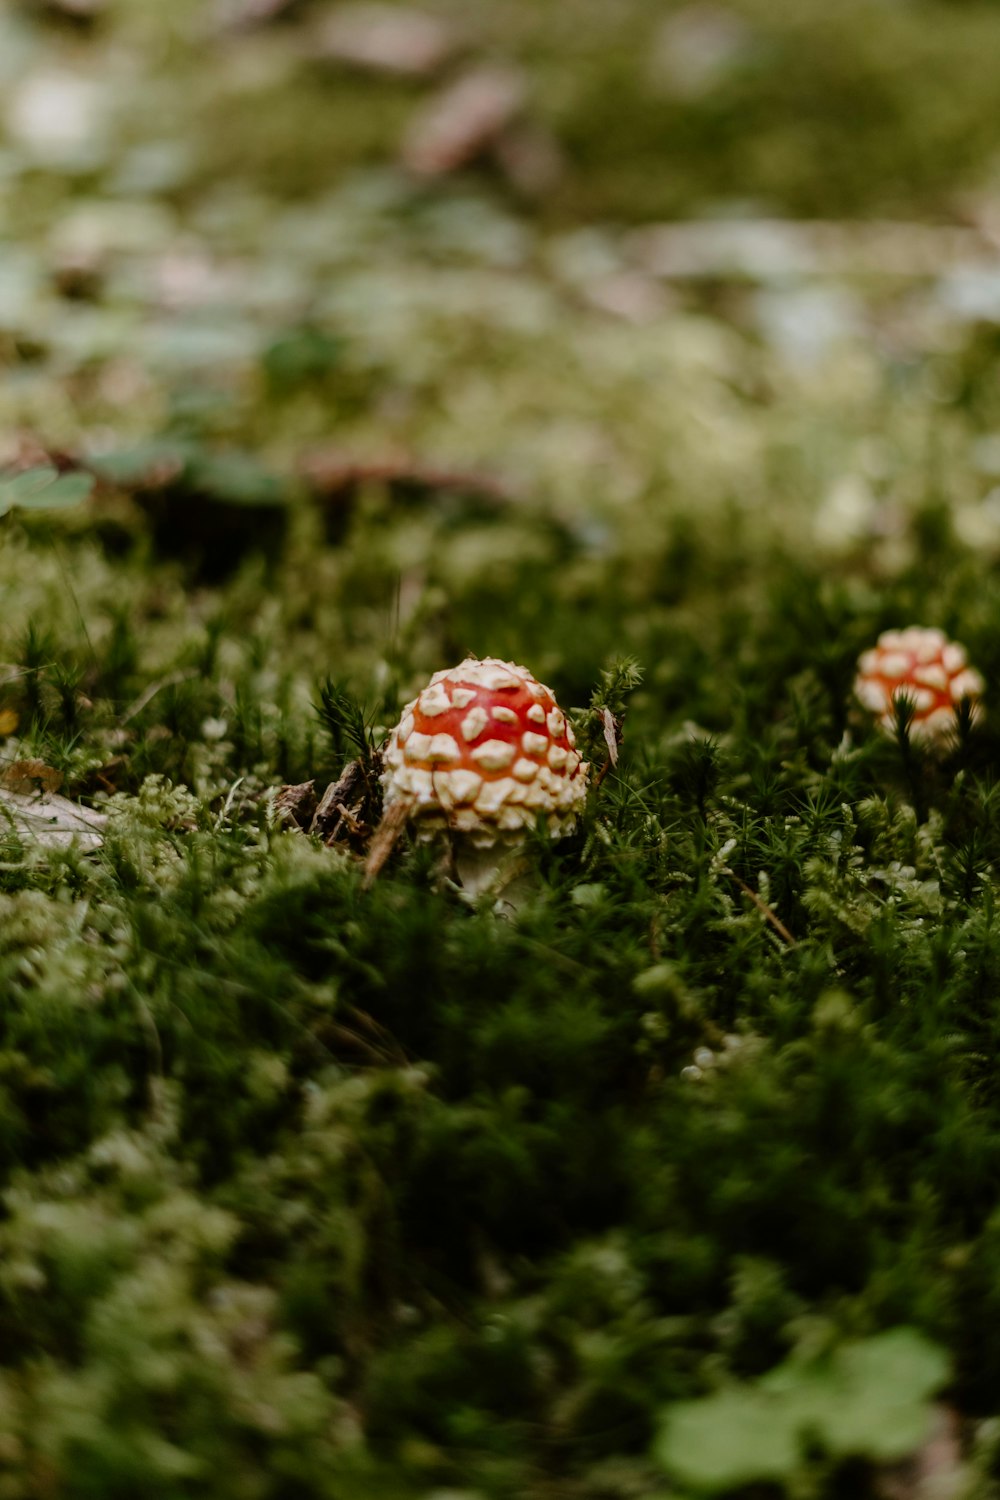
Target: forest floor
x=658, y=353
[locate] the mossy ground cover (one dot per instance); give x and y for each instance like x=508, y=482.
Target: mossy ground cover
x=313, y=1190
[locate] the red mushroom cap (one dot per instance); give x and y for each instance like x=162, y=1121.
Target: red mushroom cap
x=923, y=666
x=483, y=750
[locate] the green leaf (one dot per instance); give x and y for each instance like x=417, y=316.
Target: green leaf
x=869, y=1399
x=735, y=1437
x=43, y=488
x=15, y=489
x=67, y=490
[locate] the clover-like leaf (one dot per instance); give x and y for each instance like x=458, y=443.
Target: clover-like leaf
x=868, y=1399
x=43, y=488
x=67, y=490
x=737, y=1436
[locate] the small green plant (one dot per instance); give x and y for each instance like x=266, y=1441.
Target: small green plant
x=865, y=1400
x=350, y=729
x=43, y=488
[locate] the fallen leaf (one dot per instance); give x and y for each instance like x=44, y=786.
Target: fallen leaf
x=8, y=721
x=51, y=821
x=610, y=734
x=463, y=120
x=28, y=777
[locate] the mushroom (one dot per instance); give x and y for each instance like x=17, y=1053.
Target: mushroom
x=480, y=754
x=922, y=666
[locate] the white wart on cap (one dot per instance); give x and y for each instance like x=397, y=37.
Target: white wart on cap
x=483, y=751
x=922, y=666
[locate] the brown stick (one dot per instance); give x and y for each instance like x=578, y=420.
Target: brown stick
x=384, y=839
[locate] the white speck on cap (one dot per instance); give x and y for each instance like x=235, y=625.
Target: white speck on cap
x=933, y=676
x=417, y=746
x=434, y=700
x=421, y=784
x=474, y=723
x=443, y=747
x=966, y=685
x=493, y=755
x=494, y=794
x=928, y=644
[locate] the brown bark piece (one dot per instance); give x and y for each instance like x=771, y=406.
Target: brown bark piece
x=341, y=806
x=384, y=841
x=296, y=805
x=332, y=471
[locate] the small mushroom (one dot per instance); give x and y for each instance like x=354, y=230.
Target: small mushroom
x=923, y=667
x=480, y=754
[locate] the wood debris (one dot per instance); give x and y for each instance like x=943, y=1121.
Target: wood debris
x=295, y=806
x=331, y=471
x=384, y=841
x=344, y=814
x=342, y=807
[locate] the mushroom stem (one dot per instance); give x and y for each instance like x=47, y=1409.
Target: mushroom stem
x=477, y=868
x=501, y=872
